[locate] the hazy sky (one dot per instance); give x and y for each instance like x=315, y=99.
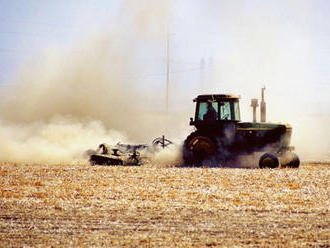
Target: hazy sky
x=274, y=43
x=282, y=44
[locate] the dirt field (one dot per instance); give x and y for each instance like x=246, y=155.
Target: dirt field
x=80, y=205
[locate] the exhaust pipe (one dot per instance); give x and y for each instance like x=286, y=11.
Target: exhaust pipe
x=263, y=106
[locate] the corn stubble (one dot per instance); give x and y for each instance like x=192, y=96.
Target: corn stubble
x=79, y=205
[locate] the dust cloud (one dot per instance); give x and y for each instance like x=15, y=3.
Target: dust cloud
x=59, y=140
x=73, y=99
x=169, y=157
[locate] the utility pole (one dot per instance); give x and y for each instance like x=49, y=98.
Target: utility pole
x=167, y=69
x=202, y=74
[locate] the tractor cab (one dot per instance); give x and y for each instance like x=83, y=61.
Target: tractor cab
x=215, y=110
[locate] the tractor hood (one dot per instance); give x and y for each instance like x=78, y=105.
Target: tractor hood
x=262, y=126
x=266, y=133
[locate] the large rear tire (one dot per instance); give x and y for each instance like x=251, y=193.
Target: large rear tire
x=197, y=148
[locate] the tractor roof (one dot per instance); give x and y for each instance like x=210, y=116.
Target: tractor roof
x=216, y=97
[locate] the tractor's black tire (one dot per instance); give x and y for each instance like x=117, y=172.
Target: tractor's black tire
x=293, y=162
x=188, y=155
x=195, y=157
x=268, y=160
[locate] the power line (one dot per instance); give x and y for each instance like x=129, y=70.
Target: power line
x=40, y=23
x=19, y=33
x=163, y=74
x=52, y=32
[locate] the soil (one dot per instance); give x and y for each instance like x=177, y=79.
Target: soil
x=150, y=206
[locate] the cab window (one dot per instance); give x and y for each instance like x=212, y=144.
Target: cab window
x=237, y=112
x=225, y=113
x=208, y=111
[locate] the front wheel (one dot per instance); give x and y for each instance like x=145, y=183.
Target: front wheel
x=268, y=160
x=291, y=160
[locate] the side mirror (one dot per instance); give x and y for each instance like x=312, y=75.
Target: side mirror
x=191, y=121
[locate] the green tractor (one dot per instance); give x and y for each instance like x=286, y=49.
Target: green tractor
x=221, y=138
